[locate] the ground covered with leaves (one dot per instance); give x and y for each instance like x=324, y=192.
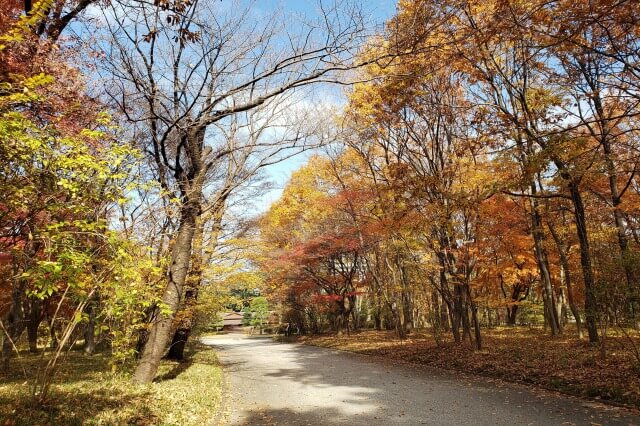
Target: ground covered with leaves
x=522, y=355
x=87, y=392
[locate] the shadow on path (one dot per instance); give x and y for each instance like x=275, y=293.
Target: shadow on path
x=290, y=384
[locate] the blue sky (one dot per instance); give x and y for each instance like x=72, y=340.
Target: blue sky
x=379, y=9
x=279, y=174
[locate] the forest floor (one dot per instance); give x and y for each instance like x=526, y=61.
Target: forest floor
x=515, y=354
x=87, y=392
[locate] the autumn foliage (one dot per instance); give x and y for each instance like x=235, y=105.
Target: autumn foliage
x=482, y=173
x=486, y=176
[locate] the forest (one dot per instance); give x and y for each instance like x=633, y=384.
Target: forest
x=470, y=188
x=489, y=171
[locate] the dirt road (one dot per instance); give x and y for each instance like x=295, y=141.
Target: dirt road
x=289, y=384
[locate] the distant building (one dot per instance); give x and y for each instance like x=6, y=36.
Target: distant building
x=231, y=320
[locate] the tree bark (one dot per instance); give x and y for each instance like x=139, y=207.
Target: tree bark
x=35, y=318
x=476, y=323
x=14, y=323
x=183, y=331
x=90, y=329
x=543, y=265
x=512, y=312
x=585, y=262
x=199, y=260
x=162, y=324
x=453, y=308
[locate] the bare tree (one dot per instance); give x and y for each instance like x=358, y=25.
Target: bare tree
x=184, y=73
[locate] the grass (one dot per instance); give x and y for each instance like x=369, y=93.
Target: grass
x=524, y=355
x=87, y=392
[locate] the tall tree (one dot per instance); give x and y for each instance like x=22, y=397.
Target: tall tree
x=182, y=72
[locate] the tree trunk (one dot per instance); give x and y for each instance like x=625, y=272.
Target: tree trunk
x=585, y=262
x=543, y=265
x=566, y=276
x=162, y=325
x=377, y=320
x=53, y=338
x=178, y=343
x=516, y=298
x=407, y=306
x=464, y=306
x=454, y=320
x=400, y=319
x=618, y=217
x=458, y=306
x=35, y=318
x=199, y=259
x=444, y=316
x=90, y=330
x=436, y=318
x=14, y=323
x=32, y=335
x=183, y=331
x=512, y=315
x=476, y=325
x=453, y=302
x=604, y=134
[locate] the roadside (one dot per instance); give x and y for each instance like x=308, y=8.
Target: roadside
x=518, y=355
x=87, y=392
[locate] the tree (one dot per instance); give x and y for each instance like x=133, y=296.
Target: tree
x=60, y=176
x=259, y=309
x=187, y=75
x=481, y=107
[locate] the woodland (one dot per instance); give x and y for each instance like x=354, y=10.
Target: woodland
x=471, y=200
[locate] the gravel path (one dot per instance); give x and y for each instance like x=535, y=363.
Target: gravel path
x=289, y=384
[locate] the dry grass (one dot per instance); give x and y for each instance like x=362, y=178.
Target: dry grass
x=525, y=355
x=88, y=393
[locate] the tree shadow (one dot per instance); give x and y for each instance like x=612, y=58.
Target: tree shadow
x=171, y=369
x=72, y=367
x=177, y=368
x=78, y=409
